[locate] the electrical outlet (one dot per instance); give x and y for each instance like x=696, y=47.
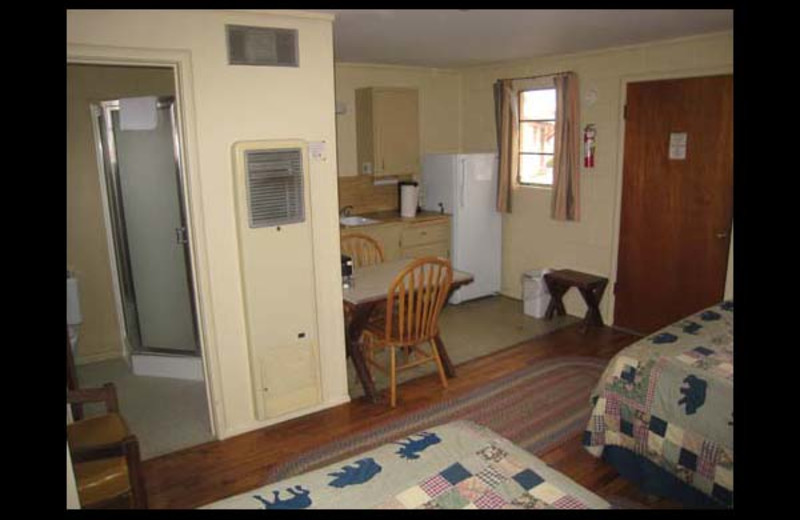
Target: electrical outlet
x=366, y=168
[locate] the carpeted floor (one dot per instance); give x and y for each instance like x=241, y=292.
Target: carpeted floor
x=536, y=408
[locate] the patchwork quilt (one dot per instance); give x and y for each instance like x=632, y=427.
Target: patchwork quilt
x=669, y=398
x=459, y=465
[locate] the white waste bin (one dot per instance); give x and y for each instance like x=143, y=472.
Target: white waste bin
x=535, y=295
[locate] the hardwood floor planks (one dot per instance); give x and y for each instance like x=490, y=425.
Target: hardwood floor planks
x=202, y=474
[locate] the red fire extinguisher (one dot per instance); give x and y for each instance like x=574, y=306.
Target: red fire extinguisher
x=589, y=135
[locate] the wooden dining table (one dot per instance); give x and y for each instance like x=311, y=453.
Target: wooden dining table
x=369, y=287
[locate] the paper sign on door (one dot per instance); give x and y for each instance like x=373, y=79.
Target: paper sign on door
x=677, y=145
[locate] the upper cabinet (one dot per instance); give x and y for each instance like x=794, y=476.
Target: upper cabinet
x=387, y=131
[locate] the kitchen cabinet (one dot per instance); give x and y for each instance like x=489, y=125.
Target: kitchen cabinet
x=387, y=235
x=409, y=238
x=387, y=131
x=426, y=238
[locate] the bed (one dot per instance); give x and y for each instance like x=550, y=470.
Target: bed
x=663, y=410
x=459, y=465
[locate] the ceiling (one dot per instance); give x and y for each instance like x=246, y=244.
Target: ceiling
x=462, y=37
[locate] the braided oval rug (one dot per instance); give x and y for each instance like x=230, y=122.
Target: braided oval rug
x=536, y=407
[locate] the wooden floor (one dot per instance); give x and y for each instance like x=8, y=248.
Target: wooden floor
x=202, y=474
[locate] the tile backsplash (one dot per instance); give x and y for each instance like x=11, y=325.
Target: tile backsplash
x=365, y=197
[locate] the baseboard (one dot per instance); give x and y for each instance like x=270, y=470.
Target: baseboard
x=335, y=401
x=94, y=358
x=176, y=367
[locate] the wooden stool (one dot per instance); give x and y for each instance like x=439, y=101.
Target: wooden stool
x=590, y=286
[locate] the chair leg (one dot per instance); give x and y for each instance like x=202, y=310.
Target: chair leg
x=439, y=365
x=392, y=377
x=130, y=448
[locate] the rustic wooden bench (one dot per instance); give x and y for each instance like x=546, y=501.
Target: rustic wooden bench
x=590, y=286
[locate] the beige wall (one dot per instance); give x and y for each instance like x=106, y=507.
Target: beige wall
x=88, y=253
x=729, y=274
x=222, y=104
x=531, y=239
x=439, y=106
x=72, y=488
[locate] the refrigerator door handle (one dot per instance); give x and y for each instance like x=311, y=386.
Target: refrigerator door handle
x=463, y=186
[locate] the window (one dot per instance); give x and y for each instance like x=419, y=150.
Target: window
x=537, y=126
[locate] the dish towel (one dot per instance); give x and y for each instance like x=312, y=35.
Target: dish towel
x=138, y=113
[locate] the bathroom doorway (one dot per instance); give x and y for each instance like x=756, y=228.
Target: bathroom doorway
x=139, y=143
x=129, y=246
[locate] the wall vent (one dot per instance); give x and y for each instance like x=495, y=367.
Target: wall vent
x=264, y=46
x=275, y=186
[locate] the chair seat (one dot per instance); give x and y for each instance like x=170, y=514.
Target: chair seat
x=376, y=328
x=104, y=429
x=101, y=480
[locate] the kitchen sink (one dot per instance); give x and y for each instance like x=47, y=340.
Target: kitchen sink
x=355, y=220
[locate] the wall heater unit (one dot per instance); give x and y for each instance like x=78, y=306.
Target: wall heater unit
x=277, y=274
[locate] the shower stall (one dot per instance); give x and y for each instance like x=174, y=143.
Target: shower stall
x=138, y=142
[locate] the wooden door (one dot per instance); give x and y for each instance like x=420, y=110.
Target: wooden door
x=676, y=207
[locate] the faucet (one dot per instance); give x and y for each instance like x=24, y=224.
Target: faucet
x=345, y=211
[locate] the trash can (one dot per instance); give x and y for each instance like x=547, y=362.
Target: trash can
x=535, y=295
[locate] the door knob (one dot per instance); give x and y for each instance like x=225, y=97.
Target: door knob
x=722, y=235
x=180, y=235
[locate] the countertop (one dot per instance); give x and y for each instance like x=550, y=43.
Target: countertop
x=390, y=217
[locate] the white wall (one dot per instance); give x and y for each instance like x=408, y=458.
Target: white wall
x=222, y=104
x=72, y=488
x=729, y=274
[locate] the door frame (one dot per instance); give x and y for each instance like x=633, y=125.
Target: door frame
x=108, y=167
x=624, y=81
x=180, y=63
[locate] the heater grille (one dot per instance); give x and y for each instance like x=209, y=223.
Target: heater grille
x=265, y=46
x=275, y=186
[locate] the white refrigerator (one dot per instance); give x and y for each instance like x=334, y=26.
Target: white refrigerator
x=465, y=186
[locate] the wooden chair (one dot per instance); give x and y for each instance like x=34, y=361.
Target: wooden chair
x=415, y=298
x=363, y=249
x=105, y=455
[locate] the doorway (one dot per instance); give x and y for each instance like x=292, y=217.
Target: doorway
x=677, y=200
x=144, y=189
x=130, y=247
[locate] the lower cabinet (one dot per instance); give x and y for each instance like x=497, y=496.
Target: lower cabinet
x=438, y=249
x=426, y=239
x=409, y=239
x=387, y=235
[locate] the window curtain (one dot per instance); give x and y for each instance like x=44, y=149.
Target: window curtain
x=565, y=202
x=507, y=120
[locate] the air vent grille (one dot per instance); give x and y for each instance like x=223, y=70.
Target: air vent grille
x=275, y=186
x=265, y=46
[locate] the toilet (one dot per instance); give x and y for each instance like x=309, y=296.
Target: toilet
x=74, y=318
